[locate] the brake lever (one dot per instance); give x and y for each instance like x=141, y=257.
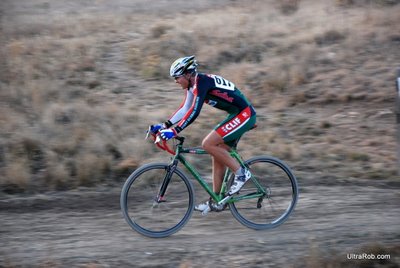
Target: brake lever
x=158, y=139
x=148, y=133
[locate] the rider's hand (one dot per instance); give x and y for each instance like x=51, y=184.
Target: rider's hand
x=167, y=134
x=156, y=128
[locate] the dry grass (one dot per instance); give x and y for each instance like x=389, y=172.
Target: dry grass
x=79, y=90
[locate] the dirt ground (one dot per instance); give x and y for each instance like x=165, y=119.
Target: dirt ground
x=85, y=228
x=336, y=214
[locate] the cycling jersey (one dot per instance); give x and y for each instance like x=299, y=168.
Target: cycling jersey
x=222, y=94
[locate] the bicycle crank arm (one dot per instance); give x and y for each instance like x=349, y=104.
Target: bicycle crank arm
x=223, y=201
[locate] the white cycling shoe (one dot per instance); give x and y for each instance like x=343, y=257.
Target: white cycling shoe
x=202, y=207
x=239, y=181
x=208, y=206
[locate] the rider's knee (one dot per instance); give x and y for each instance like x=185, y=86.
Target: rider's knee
x=205, y=144
x=211, y=142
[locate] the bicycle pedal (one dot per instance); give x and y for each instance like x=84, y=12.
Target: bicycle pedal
x=205, y=212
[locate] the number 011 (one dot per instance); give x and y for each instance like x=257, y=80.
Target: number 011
x=223, y=83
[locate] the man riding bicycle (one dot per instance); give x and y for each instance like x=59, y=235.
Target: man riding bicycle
x=222, y=94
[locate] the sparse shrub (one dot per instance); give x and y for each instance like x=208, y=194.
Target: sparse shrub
x=299, y=78
x=279, y=104
x=93, y=84
x=344, y=2
x=356, y=156
x=273, y=81
x=285, y=151
x=16, y=177
x=377, y=174
x=326, y=97
x=297, y=97
x=113, y=151
x=330, y=37
x=153, y=58
x=86, y=64
x=238, y=74
x=276, y=84
x=16, y=48
x=159, y=30
x=395, y=38
x=58, y=177
x=124, y=168
x=326, y=124
x=152, y=68
x=238, y=53
x=90, y=169
x=311, y=131
x=35, y=154
x=288, y=7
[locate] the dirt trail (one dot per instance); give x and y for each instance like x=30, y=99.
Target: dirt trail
x=86, y=226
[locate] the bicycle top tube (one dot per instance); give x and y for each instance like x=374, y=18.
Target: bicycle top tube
x=189, y=150
x=193, y=150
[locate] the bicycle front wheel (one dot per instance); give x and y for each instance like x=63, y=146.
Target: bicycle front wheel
x=151, y=214
x=277, y=187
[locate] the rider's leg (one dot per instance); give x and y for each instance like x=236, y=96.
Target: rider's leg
x=217, y=174
x=215, y=146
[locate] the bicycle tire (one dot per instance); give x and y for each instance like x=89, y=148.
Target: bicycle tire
x=281, y=192
x=151, y=218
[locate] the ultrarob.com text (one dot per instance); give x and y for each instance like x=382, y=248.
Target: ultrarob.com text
x=367, y=256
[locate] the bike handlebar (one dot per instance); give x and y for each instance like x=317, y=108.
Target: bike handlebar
x=163, y=144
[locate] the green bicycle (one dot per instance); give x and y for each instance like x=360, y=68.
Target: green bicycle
x=158, y=199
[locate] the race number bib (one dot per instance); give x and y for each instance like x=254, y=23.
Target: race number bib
x=223, y=83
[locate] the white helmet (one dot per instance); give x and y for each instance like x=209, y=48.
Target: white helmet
x=182, y=65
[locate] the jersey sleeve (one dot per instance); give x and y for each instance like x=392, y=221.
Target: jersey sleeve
x=199, y=95
x=183, y=108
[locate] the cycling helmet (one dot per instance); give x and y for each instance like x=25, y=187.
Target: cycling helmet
x=183, y=65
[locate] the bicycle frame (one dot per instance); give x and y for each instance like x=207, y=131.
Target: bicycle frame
x=178, y=157
x=168, y=194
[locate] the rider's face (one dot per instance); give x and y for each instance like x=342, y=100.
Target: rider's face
x=183, y=81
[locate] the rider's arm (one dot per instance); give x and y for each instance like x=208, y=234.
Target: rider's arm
x=199, y=96
x=182, y=110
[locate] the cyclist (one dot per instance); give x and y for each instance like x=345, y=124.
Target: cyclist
x=220, y=93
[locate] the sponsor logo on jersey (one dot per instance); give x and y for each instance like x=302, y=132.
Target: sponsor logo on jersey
x=231, y=125
x=222, y=95
x=212, y=103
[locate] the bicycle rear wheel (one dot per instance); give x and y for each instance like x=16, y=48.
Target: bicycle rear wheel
x=279, y=199
x=146, y=211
